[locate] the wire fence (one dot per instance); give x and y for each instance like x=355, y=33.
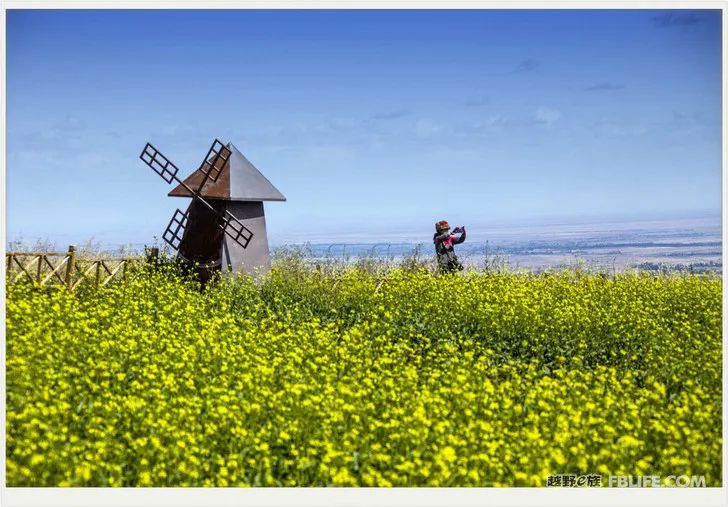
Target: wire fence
x=535, y=258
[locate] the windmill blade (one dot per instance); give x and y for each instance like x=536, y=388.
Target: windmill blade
x=216, y=158
x=235, y=229
x=214, y=162
x=175, y=229
x=230, y=225
x=159, y=163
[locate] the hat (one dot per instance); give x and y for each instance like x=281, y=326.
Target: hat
x=442, y=225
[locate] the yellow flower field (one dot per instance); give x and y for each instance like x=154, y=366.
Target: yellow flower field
x=481, y=379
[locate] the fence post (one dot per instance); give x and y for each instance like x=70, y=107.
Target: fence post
x=153, y=256
x=39, y=268
x=71, y=256
x=98, y=273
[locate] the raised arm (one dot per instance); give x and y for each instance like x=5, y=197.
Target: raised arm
x=439, y=238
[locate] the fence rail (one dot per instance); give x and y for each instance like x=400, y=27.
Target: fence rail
x=65, y=268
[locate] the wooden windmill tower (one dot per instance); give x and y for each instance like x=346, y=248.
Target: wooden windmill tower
x=224, y=225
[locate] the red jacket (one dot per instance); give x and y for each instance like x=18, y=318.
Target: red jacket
x=445, y=242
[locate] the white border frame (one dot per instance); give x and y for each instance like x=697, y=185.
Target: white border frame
x=420, y=497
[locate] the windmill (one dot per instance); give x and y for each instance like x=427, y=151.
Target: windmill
x=224, y=226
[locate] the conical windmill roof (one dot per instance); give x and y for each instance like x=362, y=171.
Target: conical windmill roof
x=239, y=180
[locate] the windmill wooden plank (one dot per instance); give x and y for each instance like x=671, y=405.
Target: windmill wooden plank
x=217, y=189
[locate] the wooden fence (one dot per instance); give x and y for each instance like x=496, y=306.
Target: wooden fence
x=65, y=269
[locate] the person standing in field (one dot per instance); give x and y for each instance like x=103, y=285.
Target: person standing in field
x=447, y=261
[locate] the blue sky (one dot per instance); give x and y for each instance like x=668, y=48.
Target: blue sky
x=374, y=124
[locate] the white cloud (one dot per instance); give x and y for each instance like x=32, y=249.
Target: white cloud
x=547, y=116
x=426, y=128
x=613, y=128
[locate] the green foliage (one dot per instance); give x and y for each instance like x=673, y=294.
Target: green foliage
x=340, y=376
